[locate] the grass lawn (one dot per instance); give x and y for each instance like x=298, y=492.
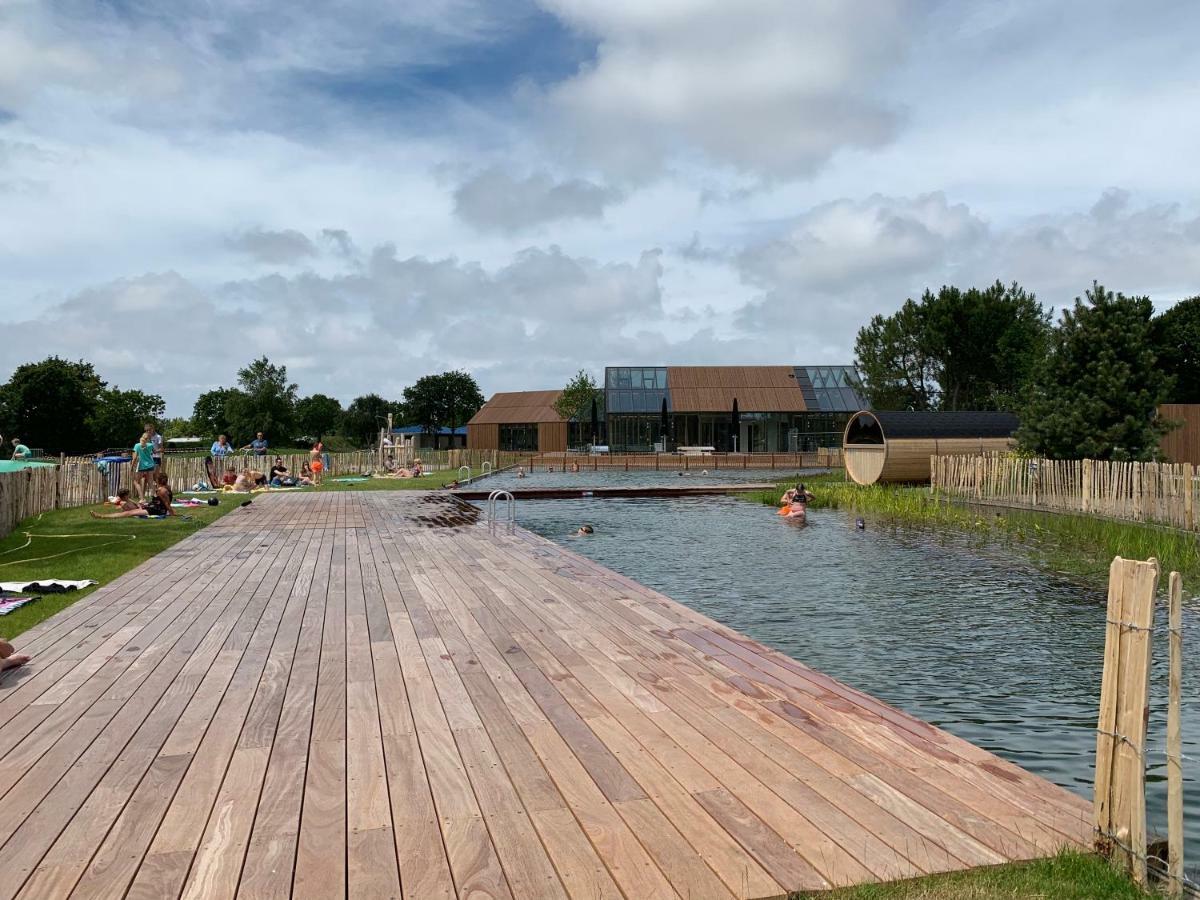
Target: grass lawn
x=1068, y=876
x=90, y=549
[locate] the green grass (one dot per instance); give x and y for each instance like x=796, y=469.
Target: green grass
x=100, y=550
x=1068, y=876
x=1076, y=545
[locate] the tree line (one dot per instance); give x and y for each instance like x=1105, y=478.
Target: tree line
x=64, y=406
x=1088, y=385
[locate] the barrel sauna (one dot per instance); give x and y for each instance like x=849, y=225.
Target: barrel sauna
x=896, y=446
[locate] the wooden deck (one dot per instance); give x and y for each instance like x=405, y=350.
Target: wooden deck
x=365, y=694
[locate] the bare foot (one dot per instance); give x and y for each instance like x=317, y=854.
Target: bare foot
x=95, y=515
x=14, y=662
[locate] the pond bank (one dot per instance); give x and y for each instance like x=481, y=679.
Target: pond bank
x=1069, y=544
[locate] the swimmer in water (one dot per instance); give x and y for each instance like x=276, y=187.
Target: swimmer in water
x=585, y=530
x=520, y=471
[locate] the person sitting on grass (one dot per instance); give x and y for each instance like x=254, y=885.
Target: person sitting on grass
x=123, y=501
x=10, y=659
x=158, y=505
x=279, y=475
x=306, y=475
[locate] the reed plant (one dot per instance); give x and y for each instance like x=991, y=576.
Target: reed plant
x=1073, y=544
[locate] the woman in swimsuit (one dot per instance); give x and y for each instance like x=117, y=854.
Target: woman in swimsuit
x=158, y=505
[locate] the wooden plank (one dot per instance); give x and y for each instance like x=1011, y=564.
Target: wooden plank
x=83, y=757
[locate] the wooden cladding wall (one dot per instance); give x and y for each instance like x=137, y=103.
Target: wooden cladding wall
x=483, y=436
x=552, y=437
x=1182, y=445
x=713, y=389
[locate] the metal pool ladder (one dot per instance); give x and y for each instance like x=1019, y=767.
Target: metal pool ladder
x=510, y=519
x=461, y=479
x=485, y=469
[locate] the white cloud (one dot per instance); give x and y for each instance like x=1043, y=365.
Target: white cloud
x=836, y=265
x=495, y=200
x=273, y=247
x=771, y=87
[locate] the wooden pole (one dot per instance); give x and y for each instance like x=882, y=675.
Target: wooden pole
x=1120, y=784
x=1175, y=739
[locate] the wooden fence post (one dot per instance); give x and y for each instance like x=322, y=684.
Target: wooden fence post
x=1120, y=786
x=1189, y=475
x=1085, y=499
x=1175, y=738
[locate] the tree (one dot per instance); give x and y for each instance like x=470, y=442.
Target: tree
x=318, y=415
x=210, y=415
x=177, y=426
x=1096, y=393
x=120, y=416
x=445, y=400
x=364, y=417
x=50, y=404
x=972, y=349
x=985, y=343
x=266, y=403
x=575, y=401
x=895, y=365
x=1176, y=336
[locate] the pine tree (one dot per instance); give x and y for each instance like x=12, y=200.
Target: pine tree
x=1096, y=393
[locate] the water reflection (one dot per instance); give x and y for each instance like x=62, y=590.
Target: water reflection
x=967, y=636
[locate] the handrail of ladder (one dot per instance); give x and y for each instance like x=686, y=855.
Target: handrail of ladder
x=510, y=519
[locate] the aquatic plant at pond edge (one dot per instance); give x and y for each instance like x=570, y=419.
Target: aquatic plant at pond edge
x=1074, y=544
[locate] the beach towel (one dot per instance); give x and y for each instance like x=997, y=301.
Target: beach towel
x=187, y=503
x=44, y=586
x=349, y=479
x=8, y=604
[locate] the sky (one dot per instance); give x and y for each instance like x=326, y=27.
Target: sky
x=370, y=192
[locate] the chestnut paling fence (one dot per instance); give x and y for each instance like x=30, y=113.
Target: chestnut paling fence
x=1161, y=493
x=78, y=481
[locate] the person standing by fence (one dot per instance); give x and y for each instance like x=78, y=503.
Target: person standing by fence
x=156, y=442
x=258, y=445
x=143, y=466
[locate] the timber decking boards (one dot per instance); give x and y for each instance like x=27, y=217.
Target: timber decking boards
x=367, y=695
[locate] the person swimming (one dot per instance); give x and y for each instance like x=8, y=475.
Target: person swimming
x=585, y=530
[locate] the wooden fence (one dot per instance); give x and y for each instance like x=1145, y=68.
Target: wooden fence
x=77, y=481
x=669, y=462
x=1163, y=493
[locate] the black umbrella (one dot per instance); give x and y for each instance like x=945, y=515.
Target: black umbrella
x=735, y=423
x=595, y=423
x=665, y=423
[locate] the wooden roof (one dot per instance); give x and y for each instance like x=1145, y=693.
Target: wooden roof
x=516, y=407
x=713, y=389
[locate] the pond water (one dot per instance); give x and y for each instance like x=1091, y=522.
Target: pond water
x=972, y=638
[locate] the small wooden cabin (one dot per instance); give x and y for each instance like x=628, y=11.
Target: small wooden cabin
x=896, y=446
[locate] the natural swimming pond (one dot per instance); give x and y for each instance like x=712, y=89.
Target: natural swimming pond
x=972, y=638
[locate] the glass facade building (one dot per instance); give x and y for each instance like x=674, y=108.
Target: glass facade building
x=804, y=407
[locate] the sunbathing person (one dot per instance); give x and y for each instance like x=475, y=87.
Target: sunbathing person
x=10, y=659
x=123, y=501
x=159, y=503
